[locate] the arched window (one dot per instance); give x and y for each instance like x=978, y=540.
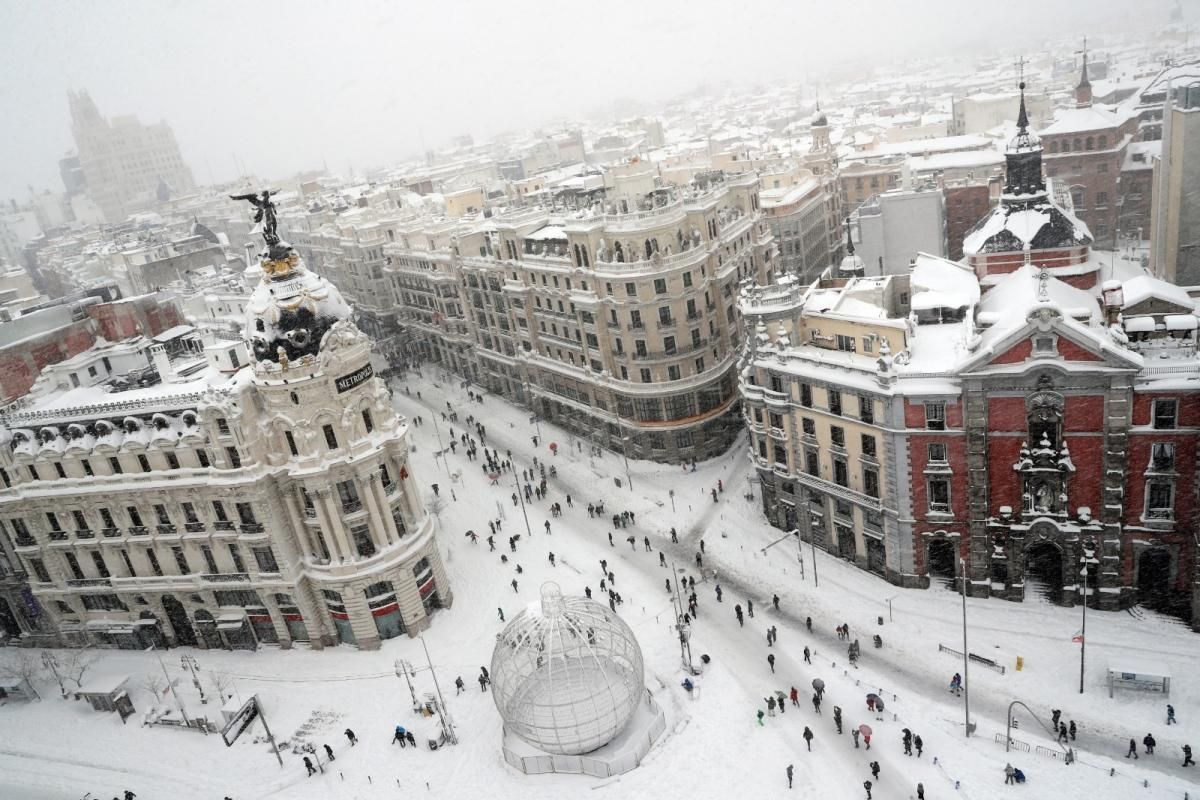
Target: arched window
x=1066, y=146
x=1091, y=143
x=1078, y=144
x=1103, y=142
x=1054, y=147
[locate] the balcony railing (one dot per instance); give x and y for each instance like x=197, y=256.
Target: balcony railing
x=78, y=582
x=85, y=533
x=389, y=488
x=193, y=527
x=352, y=507
x=58, y=536
x=252, y=527
x=225, y=577
x=223, y=525
x=110, y=533
x=311, y=513
x=26, y=541
x=167, y=530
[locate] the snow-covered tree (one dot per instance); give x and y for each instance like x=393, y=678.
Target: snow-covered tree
x=22, y=665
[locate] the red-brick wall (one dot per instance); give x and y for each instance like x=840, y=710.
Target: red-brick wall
x=914, y=412
x=148, y=315
x=21, y=364
x=1017, y=353
x=1073, y=352
x=1189, y=407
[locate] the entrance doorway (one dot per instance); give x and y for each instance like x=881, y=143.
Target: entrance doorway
x=185, y=635
x=942, y=560
x=1044, y=572
x=8, y=620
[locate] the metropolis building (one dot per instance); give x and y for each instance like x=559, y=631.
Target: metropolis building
x=224, y=504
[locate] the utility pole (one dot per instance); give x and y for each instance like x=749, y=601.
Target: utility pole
x=812, y=538
x=171, y=685
x=263, y=716
x=521, y=498
x=685, y=646
x=447, y=725
x=1083, y=629
x=189, y=662
x=403, y=668
x=966, y=660
x=440, y=447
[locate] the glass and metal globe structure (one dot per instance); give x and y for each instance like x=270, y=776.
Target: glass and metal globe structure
x=567, y=674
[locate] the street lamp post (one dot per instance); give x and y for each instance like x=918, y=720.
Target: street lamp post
x=521, y=498
x=189, y=662
x=437, y=431
x=966, y=660
x=1083, y=628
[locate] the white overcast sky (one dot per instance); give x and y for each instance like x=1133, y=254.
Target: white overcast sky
x=286, y=85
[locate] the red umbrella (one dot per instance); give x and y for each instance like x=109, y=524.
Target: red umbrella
x=865, y=730
x=554, y=447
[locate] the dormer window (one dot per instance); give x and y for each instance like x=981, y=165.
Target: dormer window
x=1043, y=345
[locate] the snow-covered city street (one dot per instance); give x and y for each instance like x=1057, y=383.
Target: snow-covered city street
x=714, y=745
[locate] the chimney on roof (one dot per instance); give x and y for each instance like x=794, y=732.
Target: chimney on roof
x=158, y=357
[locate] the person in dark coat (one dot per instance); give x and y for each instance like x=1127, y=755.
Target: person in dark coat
x=907, y=742
x=1132, y=749
x=1055, y=715
x=1071, y=730
x=308, y=766
x=920, y=791
x=1187, y=756
x=398, y=736
x=807, y=656
x=350, y=735
x=918, y=744
x=875, y=770
x=329, y=753
x=1148, y=740
x=789, y=775
x=867, y=786
x=771, y=661
x=411, y=739
x=817, y=703
x=808, y=736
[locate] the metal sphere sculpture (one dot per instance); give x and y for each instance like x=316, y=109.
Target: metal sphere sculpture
x=567, y=675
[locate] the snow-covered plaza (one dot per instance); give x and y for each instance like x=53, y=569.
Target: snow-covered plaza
x=713, y=745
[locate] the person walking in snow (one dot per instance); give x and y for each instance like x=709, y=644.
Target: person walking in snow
x=719, y=593
x=329, y=753
x=552, y=560
x=920, y=791
x=854, y=736
x=1132, y=749
x=780, y=700
x=875, y=770
x=1055, y=715
x=674, y=536
x=1171, y=715
x=807, y=655
x=795, y=697
x=412, y=740
x=817, y=703
x=514, y=585
x=760, y=716
x=1009, y=774
x=737, y=612
x=867, y=786
x=789, y=775
x=770, y=706
x=808, y=737
x=1149, y=742
x=308, y=766
x=483, y=682
x=837, y=719
x=775, y=601
x=918, y=744
x=662, y=559
x=771, y=661
x=351, y=737
x=398, y=736
x=1187, y=756
x=1071, y=730
x=1062, y=732
x=458, y=685
x=867, y=740
x=750, y=607
x=808, y=623
x=500, y=611
x=907, y=742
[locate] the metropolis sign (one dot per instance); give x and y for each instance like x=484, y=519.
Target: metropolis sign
x=356, y=378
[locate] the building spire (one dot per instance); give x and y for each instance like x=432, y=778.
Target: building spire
x=849, y=239
x=1022, y=116
x=1083, y=91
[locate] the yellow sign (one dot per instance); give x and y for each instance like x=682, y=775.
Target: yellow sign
x=1020, y=663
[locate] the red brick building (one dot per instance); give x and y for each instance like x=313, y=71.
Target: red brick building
x=966, y=204
x=1016, y=418
x=57, y=333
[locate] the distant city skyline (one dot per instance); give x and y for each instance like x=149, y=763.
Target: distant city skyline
x=310, y=86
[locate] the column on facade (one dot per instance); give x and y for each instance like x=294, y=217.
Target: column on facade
x=361, y=621
x=296, y=516
x=376, y=523
x=375, y=488
x=332, y=524
x=316, y=614
x=281, y=628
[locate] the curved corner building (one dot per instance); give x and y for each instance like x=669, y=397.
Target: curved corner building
x=224, y=505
